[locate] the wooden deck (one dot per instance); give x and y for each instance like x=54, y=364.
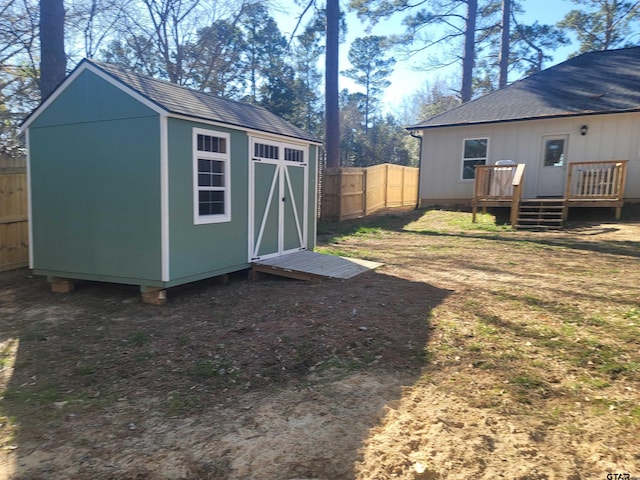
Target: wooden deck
x=592, y=184
x=307, y=265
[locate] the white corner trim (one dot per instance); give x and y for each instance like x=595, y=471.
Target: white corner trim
x=164, y=197
x=29, y=201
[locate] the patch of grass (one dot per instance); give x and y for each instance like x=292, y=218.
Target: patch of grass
x=214, y=367
x=331, y=250
x=179, y=403
x=138, y=339
x=8, y=351
x=634, y=413
x=367, y=231
x=632, y=314
x=337, y=251
x=37, y=397
x=85, y=370
x=597, y=383
x=528, y=385
x=440, y=221
x=32, y=336
x=204, y=369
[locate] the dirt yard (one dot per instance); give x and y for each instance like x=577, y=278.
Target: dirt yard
x=474, y=352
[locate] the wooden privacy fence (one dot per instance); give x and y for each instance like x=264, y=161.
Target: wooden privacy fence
x=358, y=192
x=14, y=231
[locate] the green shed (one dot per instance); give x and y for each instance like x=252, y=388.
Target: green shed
x=139, y=181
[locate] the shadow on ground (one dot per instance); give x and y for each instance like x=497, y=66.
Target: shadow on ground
x=272, y=379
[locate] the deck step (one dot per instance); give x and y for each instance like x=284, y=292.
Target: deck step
x=540, y=214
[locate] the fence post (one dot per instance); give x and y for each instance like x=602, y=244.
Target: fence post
x=403, y=185
x=386, y=185
x=339, y=195
x=365, y=191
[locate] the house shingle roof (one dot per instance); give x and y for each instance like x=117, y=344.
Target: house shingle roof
x=199, y=105
x=591, y=83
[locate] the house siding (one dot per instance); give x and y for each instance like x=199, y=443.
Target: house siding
x=610, y=137
x=95, y=185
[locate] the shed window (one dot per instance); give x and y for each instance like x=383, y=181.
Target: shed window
x=211, y=177
x=293, y=155
x=209, y=143
x=263, y=150
x=474, y=153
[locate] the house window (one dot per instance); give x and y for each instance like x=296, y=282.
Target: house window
x=474, y=153
x=211, y=177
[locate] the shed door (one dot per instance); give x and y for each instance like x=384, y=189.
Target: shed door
x=553, y=166
x=278, y=183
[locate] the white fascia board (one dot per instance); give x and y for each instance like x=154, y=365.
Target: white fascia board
x=87, y=66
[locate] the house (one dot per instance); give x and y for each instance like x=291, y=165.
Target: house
x=139, y=181
x=564, y=124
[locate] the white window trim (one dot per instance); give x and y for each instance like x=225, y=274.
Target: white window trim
x=226, y=157
x=486, y=158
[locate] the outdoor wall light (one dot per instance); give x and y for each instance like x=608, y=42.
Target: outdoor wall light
x=583, y=129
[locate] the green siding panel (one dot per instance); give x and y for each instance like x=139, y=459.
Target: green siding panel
x=89, y=98
x=197, y=249
x=96, y=198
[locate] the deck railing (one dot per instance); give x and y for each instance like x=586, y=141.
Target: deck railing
x=596, y=184
x=497, y=185
x=603, y=180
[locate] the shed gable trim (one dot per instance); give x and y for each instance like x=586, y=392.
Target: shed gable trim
x=87, y=66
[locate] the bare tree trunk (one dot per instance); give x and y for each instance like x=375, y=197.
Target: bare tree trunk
x=332, y=112
x=468, y=57
x=504, y=43
x=53, y=61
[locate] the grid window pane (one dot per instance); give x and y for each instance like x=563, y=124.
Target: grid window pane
x=469, y=168
x=475, y=148
x=266, y=151
x=210, y=173
x=204, y=180
x=204, y=165
x=211, y=202
x=217, y=166
x=293, y=155
x=209, y=143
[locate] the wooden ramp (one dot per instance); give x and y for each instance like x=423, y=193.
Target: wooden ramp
x=307, y=265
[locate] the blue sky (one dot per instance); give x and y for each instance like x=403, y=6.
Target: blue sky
x=405, y=79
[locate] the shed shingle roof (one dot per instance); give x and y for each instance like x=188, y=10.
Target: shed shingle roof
x=591, y=83
x=204, y=106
